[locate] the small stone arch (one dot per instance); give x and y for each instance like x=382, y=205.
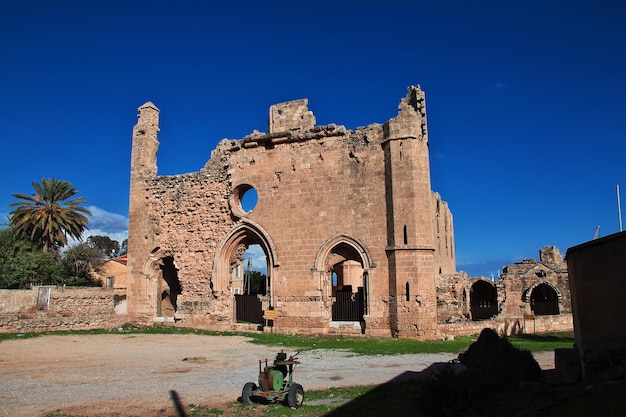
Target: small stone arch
x=343, y=245
x=245, y=233
x=544, y=299
x=163, y=284
x=483, y=300
x=343, y=266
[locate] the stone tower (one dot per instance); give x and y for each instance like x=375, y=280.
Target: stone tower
x=140, y=227
x=410, y=248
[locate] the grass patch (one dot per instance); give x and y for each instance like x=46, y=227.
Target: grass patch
x=317, y=403
x=542, y=342
x=357, y=345
x=363, y=345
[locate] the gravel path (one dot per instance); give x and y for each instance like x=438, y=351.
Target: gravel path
x=133, y=374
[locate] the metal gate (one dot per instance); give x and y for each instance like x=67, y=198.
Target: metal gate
x=348, y=306
x=249, y=309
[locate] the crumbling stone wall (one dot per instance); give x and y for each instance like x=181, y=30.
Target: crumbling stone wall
x=67, y=308
x=191, y=215
x=519, y=291
x=522, y=278
x=443, y=228
x=291, y=116
x=453, y=297
x=326, y=195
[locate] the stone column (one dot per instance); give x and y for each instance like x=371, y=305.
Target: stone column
x=141, y=290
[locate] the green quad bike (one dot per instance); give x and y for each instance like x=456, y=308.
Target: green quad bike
x=275, y=383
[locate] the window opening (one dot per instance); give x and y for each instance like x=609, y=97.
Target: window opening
x=249, y=200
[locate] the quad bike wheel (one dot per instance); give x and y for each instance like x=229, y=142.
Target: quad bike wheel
x=295, y=396
x=246, y=393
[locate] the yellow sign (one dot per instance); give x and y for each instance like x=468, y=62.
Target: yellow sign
x=270, y=314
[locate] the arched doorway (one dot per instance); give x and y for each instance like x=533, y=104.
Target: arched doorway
x=347, y=289
x=483, y=300
x=162, y=284
x=231, y=275
x=343, y=264
x=544, y=300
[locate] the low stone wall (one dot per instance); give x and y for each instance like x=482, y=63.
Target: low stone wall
x=62, y=308
x=511, y=325
x=71, y=308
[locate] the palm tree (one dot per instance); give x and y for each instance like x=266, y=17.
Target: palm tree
x=46, y=218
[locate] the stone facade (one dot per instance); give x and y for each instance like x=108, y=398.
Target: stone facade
x=530, y=296
x=330, y=200
x=347, y=220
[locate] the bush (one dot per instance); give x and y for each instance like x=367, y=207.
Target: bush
x=22, y=264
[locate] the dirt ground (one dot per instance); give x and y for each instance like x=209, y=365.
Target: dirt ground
x=121, y=374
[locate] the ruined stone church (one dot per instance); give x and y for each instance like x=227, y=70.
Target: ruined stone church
x=355, y=240
x=353, y=235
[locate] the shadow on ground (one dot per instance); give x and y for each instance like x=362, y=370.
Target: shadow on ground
x=491, y=378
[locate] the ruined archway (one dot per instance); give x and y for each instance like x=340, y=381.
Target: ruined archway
x=169, y=288
x=163, y=285
x=544, y=300
x=483, y=300
x=343, y=265
x=229, y=264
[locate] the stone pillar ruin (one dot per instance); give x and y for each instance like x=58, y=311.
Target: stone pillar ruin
x=410, y=249
x=141, y=241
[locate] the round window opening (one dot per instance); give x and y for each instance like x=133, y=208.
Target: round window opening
x=249, y=199
x=243, y=200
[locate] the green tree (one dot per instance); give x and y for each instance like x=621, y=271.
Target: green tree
x=257, y=282
x=124, y=247
x=23, y=264
x=105, y=244
x=50, y=215
x=79, y=261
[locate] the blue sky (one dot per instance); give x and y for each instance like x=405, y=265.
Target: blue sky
x=526, y=100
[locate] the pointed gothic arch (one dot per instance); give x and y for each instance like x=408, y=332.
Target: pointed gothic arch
x=343, y=265
x=346, y=246
x=245, y=233
x=162, y=284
